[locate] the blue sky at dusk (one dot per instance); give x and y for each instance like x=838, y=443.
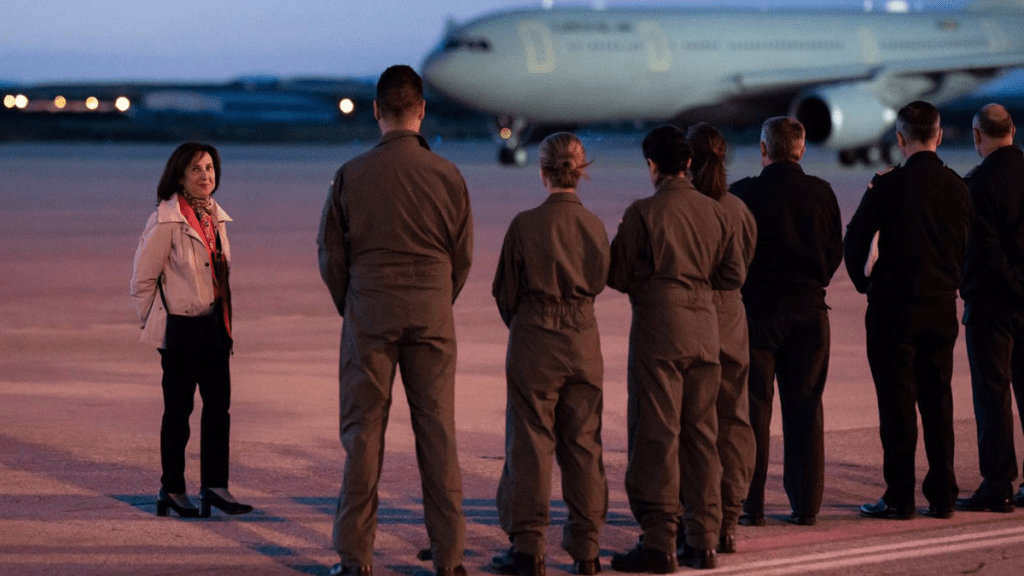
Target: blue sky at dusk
x=216, y=40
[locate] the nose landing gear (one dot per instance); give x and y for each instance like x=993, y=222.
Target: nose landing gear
x=513, y=132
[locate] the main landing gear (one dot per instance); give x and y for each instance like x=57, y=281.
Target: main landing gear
x=513, y=133
x=884, y=153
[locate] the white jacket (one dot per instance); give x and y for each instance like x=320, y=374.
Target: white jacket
x=170, y=248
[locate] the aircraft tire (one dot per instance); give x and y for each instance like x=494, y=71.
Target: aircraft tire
x=848, y=157
x=513, y=156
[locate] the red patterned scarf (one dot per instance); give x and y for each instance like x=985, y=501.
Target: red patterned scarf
x=201, y=216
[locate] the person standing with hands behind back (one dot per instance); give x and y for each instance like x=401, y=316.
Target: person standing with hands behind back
x=671, y=252
x=736, y=442
x=799, y=248
x=180, y=291
x=395, y=245
x=993, y=292
x=553, y=263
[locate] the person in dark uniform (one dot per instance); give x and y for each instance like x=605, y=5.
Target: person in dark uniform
x=799, y=248
x=920, y=214
x=993, y=292
x=735, y=436
x=671, y=252
x=553, y=263
x=395, y=246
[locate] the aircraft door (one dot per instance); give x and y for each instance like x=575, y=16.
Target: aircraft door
x=539, y=45
x=659, y=50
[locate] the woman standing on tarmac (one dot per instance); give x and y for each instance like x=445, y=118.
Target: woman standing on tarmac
x=553, y=263
x=735, y=436
x=181, y=294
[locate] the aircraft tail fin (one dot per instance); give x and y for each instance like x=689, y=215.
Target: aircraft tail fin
x=998, y=5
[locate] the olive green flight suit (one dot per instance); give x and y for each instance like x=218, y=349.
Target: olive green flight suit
x=671, y=252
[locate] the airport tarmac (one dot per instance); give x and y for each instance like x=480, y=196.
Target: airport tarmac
x=80, y=401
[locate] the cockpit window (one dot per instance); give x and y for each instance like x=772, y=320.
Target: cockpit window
x=477, y=44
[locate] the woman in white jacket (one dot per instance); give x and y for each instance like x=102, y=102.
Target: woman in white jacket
x=181, y=294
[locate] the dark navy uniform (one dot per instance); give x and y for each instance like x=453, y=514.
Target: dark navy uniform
x=671, y=252
x=993, y=292
x=395, y=245
x=799, y=248
x=553, y=263
x=922, y=214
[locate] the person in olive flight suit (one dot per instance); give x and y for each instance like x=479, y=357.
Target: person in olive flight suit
x=395, y=246
x=553, y=263
x=735, y=436
x=799, y=248
x=671, y=252
x=920, y=214
x=993, y=292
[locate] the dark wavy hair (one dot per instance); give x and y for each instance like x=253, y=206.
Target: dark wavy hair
x=666, y=147
x=170, y=182
x=783, y=138
x=708, y=165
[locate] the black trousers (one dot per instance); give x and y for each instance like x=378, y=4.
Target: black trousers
x=792, y=349
x=995, y=348
x=184, y=369
x=910, y=351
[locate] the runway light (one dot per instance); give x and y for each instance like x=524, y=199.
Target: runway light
x=346, y=106
x=60, y=102
x=123, y=104
x=92, y=103
x=9, y=101
x=505, y=133
x=21, y=101
x=897, y=6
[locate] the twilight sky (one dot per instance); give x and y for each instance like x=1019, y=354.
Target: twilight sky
x=216, y=40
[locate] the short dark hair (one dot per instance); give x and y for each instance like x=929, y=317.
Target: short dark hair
x=666, y=146
x=783, y=138
x=708, y=167
x=918, y=121
x=170, y=182
x=399, y=90
x=994, y=121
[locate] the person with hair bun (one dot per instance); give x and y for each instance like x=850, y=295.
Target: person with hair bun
x=671, y=252
x=553, y=263
x=736, y=448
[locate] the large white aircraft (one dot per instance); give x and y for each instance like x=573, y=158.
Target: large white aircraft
x=843, y=74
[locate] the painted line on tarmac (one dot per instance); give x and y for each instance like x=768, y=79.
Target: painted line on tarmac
x=878, y=554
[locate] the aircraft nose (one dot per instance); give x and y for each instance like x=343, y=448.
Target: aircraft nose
x=437, y=71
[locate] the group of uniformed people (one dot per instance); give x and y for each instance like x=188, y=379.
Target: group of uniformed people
x=727, y=286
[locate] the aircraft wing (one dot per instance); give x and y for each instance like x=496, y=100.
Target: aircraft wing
x=766, y=81
x=769, y=81
x=955, y=64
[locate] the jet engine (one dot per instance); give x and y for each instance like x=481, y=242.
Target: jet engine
x=846, y=116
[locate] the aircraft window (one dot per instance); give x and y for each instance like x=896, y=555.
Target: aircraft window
x=478, y=44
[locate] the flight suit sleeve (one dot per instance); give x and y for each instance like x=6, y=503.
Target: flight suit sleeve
x=732, y=269
x=462, y=251
x=508, y=276
x=332, y=247
x=861, y=231
x=627, y=250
